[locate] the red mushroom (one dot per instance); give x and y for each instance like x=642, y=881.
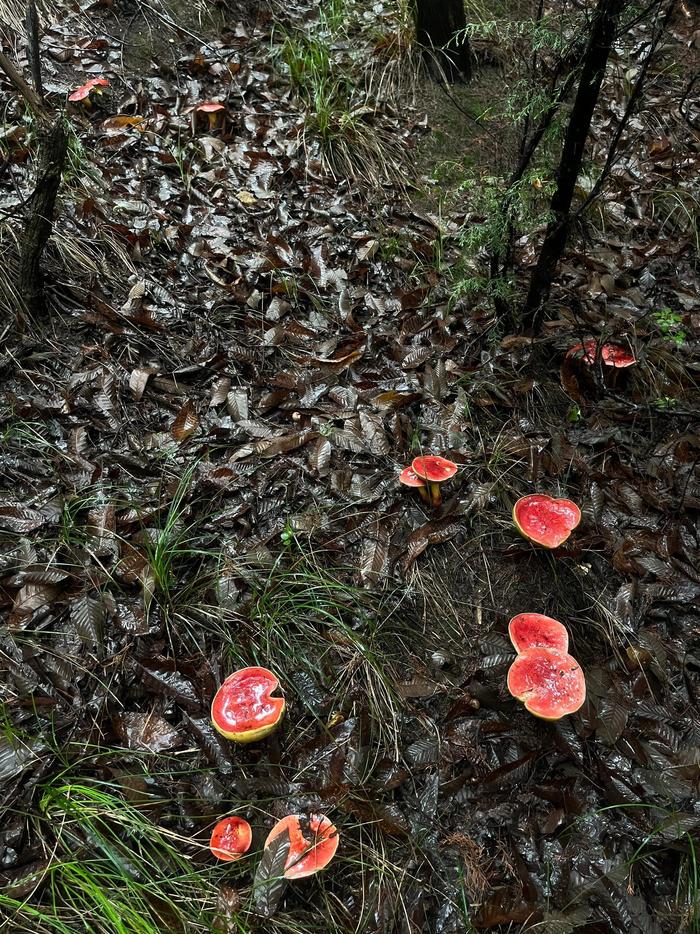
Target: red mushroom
x=435, y=470
x=611, y=354
x=231, y=838
x=83, y=93
x=212, y=109
x=243, y=708
x=313, y=842
x=408, y=477
x=533, y=630
x=549, y=683
x=544, y=520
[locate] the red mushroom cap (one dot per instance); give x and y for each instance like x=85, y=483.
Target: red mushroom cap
x=433, y=468
x=611, y=354
x=533, y=630
x=549, y=683
x=231, y=838
x=544, y=520
x=243, y=708
x=409, y=477
x=82, y=92
x=310, y=850
x=209, y=107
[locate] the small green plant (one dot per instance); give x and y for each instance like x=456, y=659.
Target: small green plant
x=496, y=212
x=670, y=323
x=389, y=248
x=173, y=543
x=333, y=14
x=665, y=403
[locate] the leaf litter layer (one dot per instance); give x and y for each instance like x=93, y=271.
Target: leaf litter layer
x=200, y=459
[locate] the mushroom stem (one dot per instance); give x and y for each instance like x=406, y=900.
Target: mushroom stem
x=434, y=494
x=424, y=494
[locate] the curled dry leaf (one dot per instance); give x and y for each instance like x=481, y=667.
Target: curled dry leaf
x=146, y=731
x=186, y=423
x=138, y=381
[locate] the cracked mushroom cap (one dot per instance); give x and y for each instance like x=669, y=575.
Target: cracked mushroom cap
x=545, y=520
x=244, y=709
x=313, y=841
x=549, y=683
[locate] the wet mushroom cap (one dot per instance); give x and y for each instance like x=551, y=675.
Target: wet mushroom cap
x=549, y=683
x=533, y=630
x=545, y=520
x=82, y=92
x=611, y=354
x=209, y=107
x=311, y=848
x=433, y=468
x=409, y=477
x=231, y=838
x=243, y=708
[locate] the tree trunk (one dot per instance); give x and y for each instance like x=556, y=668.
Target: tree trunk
x=440, y=26
x=595, y=59
x=53, y=145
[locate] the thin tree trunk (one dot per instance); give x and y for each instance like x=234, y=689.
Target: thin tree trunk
x=53, y=146
x=595, y=60
x=440, y=26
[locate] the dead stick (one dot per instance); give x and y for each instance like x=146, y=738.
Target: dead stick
x=33, y=47
x=25, y=89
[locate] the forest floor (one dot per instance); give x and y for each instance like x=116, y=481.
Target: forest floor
x=253, y=329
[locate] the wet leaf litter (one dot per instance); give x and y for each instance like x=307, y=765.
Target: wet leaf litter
x=200, y=460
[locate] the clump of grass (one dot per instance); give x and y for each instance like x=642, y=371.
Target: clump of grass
x=340, y=116
x=173, y=544
x=110, y=870
x=306, y=619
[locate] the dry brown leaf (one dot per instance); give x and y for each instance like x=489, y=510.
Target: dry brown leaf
x=186, y=423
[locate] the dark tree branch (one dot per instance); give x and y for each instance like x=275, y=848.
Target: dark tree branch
x=632, y=102
x=33, y=47
x=602, y=35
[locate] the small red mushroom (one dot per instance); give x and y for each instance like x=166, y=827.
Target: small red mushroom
x=408, y=477
x=243, y=708
x=611, y=354
x=231, y=838
x=311, y=849
x=544, y=520
x=212, y=109
x=435, y=470
x=549, y=683
x=84, y=92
